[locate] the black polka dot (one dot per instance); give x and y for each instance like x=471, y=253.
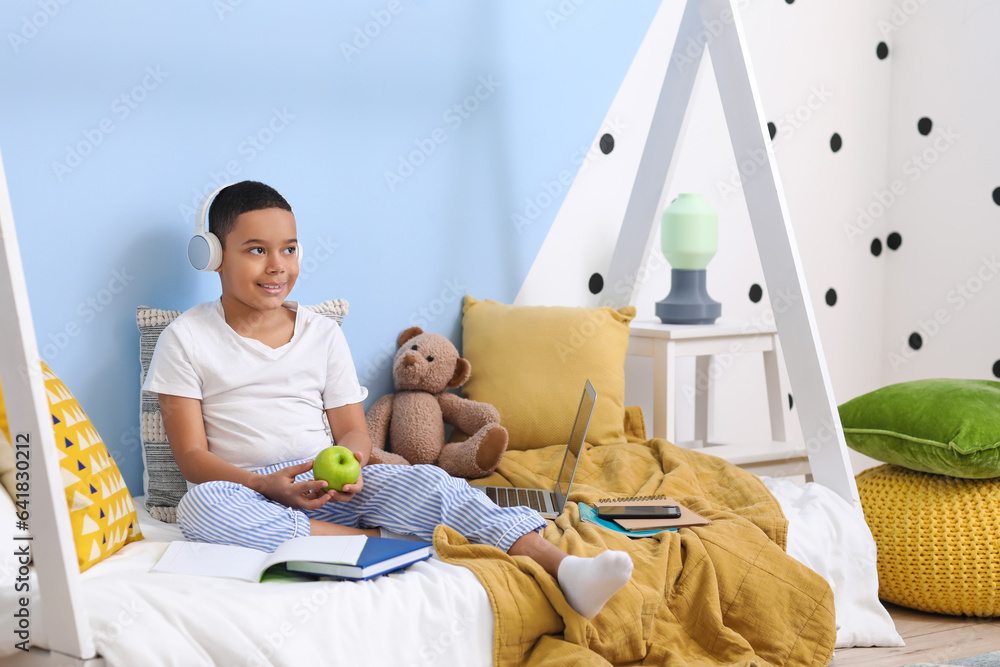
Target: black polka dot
x=836, y=143
x=916, y=342
x=876, y=247
x=924, y=126
x=596, y=283
x=788, y=2
x=996, y=196
x=996, y=368
x=882, y=50
x=607, y=144
x=791, y=403
x=831, y=297
x=894, y=240
x=756, y=292
x=772, y=129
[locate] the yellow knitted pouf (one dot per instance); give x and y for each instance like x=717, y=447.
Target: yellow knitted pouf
x=938, y=539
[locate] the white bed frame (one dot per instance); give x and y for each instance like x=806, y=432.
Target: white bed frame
x=65, y=619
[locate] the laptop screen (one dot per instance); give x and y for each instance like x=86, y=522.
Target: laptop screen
x=577, y=439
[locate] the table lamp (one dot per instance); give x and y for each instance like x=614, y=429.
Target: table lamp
x=689, y=238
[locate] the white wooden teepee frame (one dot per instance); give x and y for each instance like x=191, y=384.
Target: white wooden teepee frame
x=63, y=616
x=716, y=25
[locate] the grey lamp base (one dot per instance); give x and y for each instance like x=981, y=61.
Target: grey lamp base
x=688, y=301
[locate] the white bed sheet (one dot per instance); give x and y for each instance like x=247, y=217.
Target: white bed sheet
x=429, y=614
x=433, y=613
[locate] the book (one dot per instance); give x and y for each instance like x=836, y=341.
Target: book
x=222, y=560
x=589, y=515
x=381, y=555
x=687, y=518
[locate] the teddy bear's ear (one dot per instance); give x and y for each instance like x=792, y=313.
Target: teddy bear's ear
x=412, y=332
x=463, y=369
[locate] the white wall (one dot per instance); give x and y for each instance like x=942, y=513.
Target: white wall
x=941, y=284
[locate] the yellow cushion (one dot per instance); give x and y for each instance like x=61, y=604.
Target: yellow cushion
x=4, y=427
x=101, y=512
x=8, y=471
x=530, y=363
x=937, y=539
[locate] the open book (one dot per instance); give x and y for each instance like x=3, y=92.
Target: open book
x=220, y=560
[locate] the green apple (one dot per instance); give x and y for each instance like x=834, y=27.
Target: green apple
x=337, y=466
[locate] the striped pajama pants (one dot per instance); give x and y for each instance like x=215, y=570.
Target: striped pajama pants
x=410, y=500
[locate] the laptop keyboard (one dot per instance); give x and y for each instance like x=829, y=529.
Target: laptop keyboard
x=509, y=497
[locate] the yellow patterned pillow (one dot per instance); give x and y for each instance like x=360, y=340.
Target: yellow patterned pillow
x=530, y=363
x=101, y=512
x=4, y=428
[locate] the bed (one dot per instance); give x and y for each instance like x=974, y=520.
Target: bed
x=724, y=594
x=784, y=574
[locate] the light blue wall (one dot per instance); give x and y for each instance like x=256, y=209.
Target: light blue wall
x=104, y=187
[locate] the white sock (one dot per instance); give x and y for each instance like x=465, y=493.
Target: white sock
x=588, y=583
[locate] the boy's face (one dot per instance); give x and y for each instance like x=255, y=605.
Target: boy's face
x=259, y=262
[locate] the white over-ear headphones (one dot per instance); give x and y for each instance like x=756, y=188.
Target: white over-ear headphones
x=204, y=249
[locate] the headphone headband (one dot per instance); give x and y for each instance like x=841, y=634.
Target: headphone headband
x=201, y=222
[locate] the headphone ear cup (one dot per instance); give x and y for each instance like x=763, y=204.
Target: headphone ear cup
x=205, y=251
x=298, y=252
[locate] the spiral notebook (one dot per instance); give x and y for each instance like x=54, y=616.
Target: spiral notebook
x=687, y=518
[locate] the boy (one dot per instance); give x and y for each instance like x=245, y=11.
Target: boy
x=243, y=383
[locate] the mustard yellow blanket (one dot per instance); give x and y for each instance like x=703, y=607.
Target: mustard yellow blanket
x=725, y=594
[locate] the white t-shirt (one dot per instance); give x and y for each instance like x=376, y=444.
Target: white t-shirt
x=261, y=405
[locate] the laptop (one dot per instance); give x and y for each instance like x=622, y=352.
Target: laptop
x=550, y=503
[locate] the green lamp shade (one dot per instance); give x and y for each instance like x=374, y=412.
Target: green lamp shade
x=689, y=232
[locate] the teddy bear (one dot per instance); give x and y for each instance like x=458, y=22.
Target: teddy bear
x=426, y=365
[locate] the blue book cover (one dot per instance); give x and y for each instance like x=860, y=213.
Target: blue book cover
x=380, y=555
x=589, y=515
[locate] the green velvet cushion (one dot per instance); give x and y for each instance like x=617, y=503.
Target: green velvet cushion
x=943, y=426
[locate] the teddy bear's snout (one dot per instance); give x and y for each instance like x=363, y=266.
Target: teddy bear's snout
x=409, y=360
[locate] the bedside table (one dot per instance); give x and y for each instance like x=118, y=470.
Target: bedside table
x=664, y=343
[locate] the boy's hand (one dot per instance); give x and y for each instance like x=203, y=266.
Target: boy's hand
x=281, y=486
x=349, y=489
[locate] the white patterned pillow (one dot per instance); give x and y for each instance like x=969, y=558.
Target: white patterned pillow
x=162, y=480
